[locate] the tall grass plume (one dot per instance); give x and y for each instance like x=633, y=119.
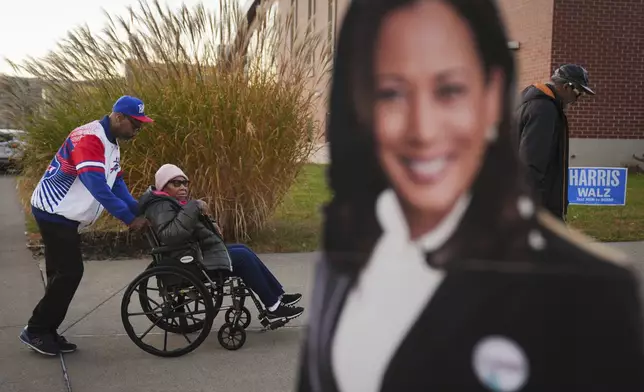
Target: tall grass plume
x=233, y=106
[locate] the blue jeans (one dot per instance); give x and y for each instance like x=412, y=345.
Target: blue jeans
x=254, y=273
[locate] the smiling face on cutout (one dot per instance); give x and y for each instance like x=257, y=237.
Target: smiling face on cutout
x=434, y=109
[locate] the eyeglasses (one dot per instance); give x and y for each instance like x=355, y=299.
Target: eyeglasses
x=136, y=124
x=575, y=90
x=178, y=183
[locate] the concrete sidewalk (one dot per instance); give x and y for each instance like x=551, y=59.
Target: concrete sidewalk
x=107, y=360
x=21, y=286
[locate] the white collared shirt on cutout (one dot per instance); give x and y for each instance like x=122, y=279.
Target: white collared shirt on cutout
x=391, y=292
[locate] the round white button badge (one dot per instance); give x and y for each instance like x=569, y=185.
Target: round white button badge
x=500, y=364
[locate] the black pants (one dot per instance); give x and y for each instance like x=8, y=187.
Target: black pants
x=64, y=266
x=255, y=274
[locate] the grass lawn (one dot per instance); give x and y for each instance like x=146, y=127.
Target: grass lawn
x=296, y=225
x=613, y=224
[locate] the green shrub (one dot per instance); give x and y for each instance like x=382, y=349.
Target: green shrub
x=239, y=126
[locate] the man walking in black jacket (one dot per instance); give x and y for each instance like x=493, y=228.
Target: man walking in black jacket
x=543, y=134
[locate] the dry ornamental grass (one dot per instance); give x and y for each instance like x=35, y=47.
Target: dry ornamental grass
x=238, y=118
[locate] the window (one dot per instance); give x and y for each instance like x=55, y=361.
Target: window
x=310, y=25
x=293, y=13
x=335, y=20
x=330, y=24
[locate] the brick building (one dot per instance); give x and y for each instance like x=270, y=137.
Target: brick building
x=607, y=38
x=324, y=17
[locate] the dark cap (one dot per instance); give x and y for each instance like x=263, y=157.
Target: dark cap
x=575, y=74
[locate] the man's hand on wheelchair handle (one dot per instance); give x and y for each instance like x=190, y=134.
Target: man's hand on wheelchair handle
x=138, y=223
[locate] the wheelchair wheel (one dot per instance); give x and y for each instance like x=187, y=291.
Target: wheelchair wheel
x=244, y=317
x=182, y=324
x=231, y=337
x=175, y=290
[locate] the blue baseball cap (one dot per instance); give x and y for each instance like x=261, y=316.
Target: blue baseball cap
x=131, y=106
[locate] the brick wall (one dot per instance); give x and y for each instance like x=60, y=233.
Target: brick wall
x=530, y=23
x=606, y=37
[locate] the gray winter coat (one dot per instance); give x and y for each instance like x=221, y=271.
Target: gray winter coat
x=176, y=224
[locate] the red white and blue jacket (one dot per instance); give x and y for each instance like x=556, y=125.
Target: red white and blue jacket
x=83, y=179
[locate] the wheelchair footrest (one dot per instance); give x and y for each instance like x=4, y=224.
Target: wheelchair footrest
x=273, y=325
x=278, y=324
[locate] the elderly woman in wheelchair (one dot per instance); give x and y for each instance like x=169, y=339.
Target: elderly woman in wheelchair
x=191, y=244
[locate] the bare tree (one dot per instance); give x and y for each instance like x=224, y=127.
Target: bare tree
x=239, y=48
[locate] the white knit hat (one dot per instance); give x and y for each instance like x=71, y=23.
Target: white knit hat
x=166, y=173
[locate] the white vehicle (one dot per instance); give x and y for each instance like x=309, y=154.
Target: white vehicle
x=11, y=144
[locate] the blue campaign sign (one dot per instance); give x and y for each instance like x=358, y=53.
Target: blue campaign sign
x=597, y=186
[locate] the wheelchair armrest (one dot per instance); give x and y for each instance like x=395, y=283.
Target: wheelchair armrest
x=170, y=248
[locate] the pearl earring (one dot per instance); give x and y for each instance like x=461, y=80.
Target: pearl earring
x=492, y=134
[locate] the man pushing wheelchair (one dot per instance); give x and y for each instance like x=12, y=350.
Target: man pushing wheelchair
x=83, y=179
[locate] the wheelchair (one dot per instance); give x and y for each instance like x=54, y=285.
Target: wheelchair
x=184, y=301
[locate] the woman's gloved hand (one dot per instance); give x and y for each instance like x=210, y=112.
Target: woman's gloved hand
x=203, y=206
x=219, y=229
